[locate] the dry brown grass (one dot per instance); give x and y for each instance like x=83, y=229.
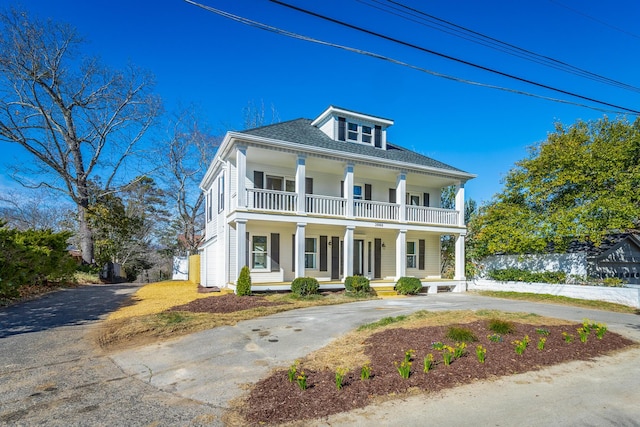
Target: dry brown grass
x=147, y=321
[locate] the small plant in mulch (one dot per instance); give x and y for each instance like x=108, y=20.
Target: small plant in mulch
x=567, y=337
x=459, y=350
x=428, y=363
x=447, y=355
x=437, y=345
x=521, y=345
x=601, y=329
x=494, y=338
x=583, y=333
x=301, y=380
x=481, y=353
x=543, y=331
x=340, y=373
x=293, y=370
x=404, y=369
x=457, y=333
x=541, y=343
x=365, y=372
x=500, y=326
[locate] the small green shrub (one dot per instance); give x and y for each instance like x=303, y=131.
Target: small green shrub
x=500, y=326
x=357, y=284
x=460, y=334
x=408, y=286
x=382, y=322
x=518, y=275
x=303, y=286
x=243, y=286
x=613, y=282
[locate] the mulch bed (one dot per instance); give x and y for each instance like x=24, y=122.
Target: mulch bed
x=225, y=304
x=275, y=400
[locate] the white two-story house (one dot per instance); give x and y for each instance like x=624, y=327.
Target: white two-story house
x=326, y=198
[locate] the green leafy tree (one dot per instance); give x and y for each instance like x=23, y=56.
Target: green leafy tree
x=580, y=183
x=447, y=242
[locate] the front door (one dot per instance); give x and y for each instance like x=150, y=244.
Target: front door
x=377, y=259
x=358, y=257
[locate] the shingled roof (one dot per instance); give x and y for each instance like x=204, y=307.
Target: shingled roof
x=301, y=132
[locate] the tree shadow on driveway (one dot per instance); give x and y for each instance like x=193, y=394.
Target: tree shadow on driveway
x=66, y=307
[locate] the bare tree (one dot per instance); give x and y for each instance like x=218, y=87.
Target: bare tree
x=255, y=115
x=77, y=118
x=35, y=211
x=183, y=158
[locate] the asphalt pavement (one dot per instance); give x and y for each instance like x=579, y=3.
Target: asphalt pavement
x=51, y=374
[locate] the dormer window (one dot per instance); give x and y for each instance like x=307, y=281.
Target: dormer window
x=350, y=126
x=357, y=133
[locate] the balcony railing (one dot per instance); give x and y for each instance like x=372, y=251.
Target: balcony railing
x=272, y=200
x=425, y=215
x=325, y=205
x=287, y=202
x=375, y=210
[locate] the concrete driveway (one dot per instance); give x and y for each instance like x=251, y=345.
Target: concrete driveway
x=211, y=366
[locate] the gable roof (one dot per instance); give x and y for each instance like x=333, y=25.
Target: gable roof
x=300, y=131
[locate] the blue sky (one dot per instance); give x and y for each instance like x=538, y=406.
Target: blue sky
x=221, y=65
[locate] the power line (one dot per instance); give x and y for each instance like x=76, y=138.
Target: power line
x=449, y=57
x=599, y=21
x=422, y=18
x=286, y=33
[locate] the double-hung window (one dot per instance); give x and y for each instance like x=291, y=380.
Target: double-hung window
x=259, y=252
x=411, y=255
x=220, y=193
x=310, y=252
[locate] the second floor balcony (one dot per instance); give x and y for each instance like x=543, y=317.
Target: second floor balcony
x=286, y=202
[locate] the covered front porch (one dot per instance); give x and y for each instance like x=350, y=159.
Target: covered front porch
x=382, y=287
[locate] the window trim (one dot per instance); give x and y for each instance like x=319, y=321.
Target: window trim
x=253, y=252
x=412, y=255
x=314, y=254
x=221, y=192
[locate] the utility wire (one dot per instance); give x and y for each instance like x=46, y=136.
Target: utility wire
x=449, y=57
x=415, y=15
x=599, y=21
x=286, y=33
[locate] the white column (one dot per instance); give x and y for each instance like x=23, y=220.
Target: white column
x=301, y=183
x=460, y=203
x=401, y=254
x=348, y=190
x=241, y=246
x=241, y=175
x=348, y=251
x=299, y=249
x=401, y=196
x=460, y=261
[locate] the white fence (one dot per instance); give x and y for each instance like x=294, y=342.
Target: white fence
x=624, y=296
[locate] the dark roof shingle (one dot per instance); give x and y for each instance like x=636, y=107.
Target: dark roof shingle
x=300, y=131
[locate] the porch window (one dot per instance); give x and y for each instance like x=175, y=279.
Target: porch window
x=310, y=252
x=259, y=252
x=411, y=255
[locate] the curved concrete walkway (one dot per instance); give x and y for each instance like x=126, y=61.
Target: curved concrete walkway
x=211, y=367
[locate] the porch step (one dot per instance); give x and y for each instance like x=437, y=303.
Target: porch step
x=386, y=292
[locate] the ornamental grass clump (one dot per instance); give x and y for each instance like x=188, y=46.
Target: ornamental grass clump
x=456, y=333
x=500, y=326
